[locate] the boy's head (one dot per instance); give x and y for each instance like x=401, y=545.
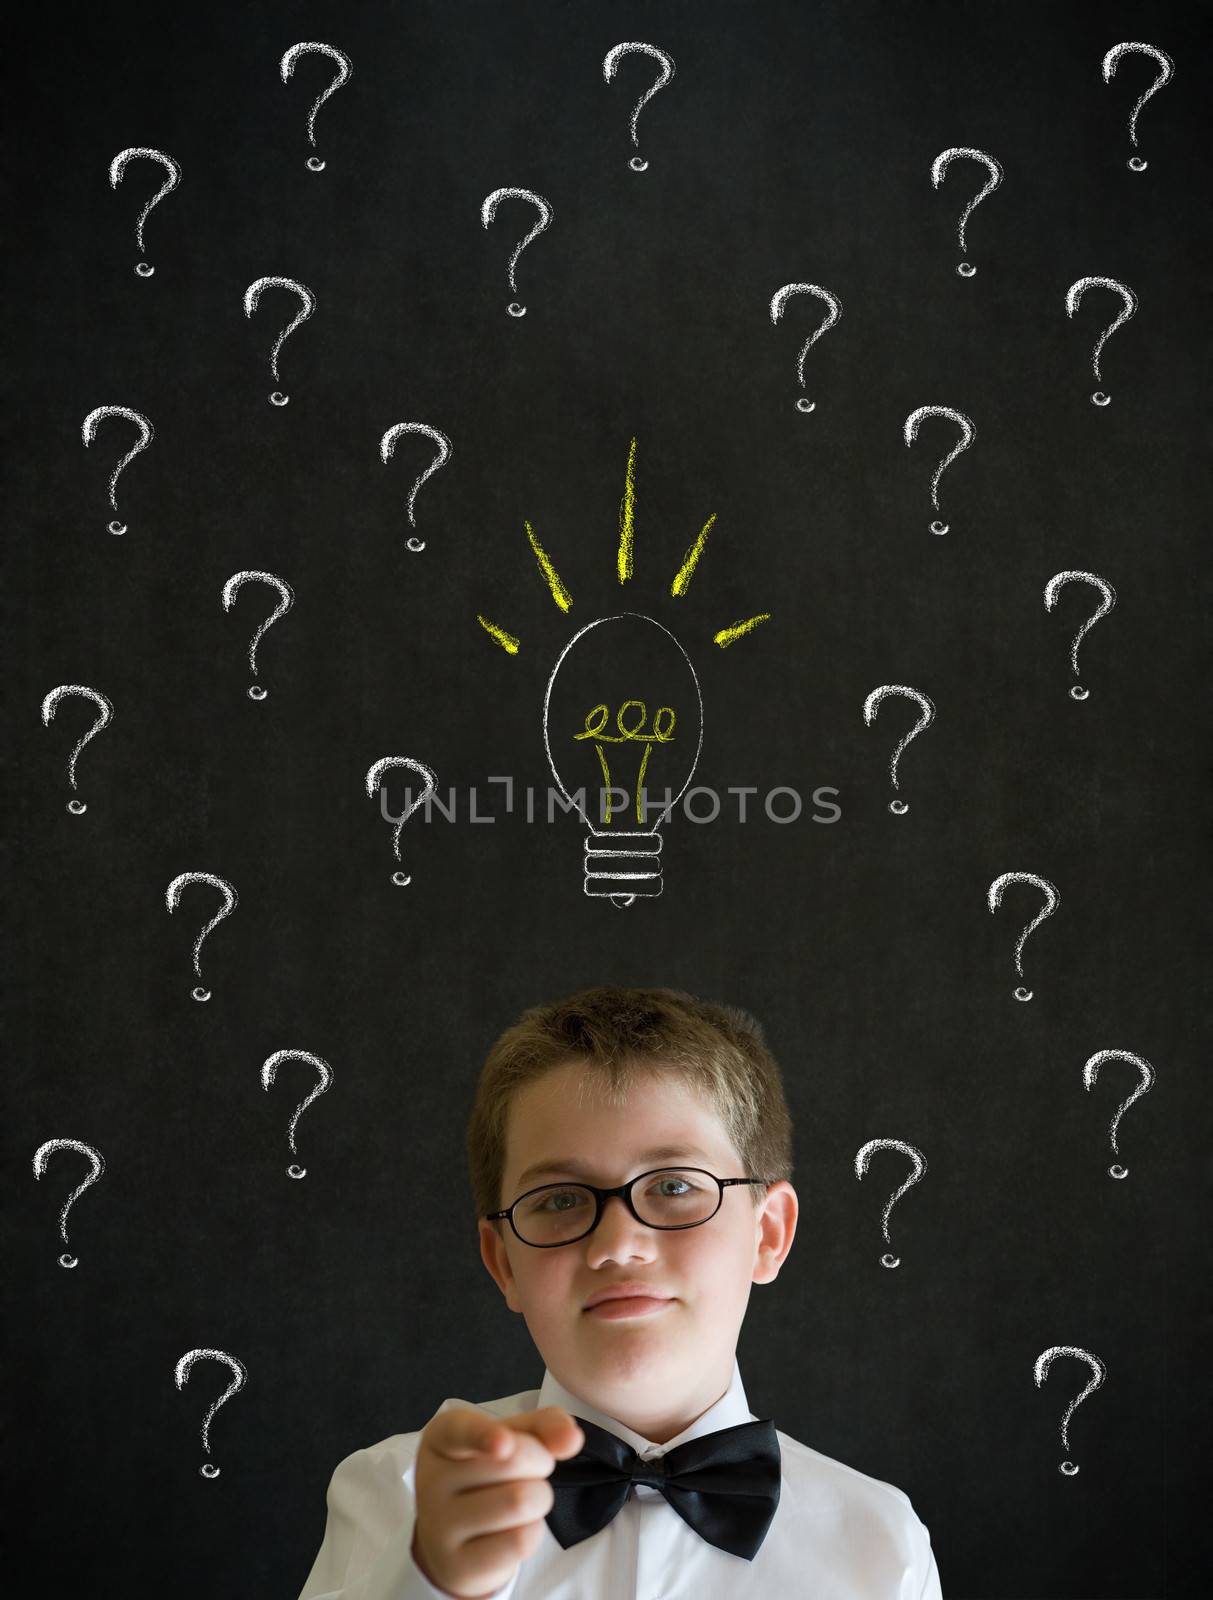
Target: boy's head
x=588, y=1088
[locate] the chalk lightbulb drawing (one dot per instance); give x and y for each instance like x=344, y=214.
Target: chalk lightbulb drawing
x=617, y=855
x=652, y=703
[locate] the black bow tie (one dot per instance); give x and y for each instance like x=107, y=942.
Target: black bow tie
x=725, y=1485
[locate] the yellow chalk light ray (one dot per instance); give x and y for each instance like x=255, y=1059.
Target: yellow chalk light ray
x=506, y=640
x=729, y=635
x=624, y=566
x=627, y=516
x=560, y=594
x=690, y=561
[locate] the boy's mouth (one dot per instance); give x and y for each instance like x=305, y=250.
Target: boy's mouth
x=627, y=1306
x=632, y=1288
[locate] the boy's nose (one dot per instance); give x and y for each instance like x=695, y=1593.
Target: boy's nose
x=616, y=1223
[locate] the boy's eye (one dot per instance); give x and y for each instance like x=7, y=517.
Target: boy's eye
x=676, y=1181
x=665, y=1186
x=674, y=1197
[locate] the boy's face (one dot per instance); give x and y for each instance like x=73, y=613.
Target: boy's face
x=659, y=1372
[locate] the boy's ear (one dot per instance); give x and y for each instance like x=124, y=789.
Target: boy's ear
x=496, y=1259
x=776, y=1228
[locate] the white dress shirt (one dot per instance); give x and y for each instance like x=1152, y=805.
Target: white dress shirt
x=836, y=1533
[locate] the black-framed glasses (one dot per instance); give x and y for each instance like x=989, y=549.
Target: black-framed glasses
x=561, y=1213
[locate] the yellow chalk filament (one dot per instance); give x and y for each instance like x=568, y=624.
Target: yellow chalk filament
x=606, y=779
x=691, y=559
x=560, y=594
x=726, y=636
x=506, y=640
x=595, y=722
x=644, y=761
x=627, y=517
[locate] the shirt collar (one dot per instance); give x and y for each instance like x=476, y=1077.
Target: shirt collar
x=732, y=1408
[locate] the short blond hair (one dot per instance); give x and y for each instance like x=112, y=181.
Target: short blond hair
x=621, y=1034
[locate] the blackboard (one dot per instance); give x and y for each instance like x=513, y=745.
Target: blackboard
x=794, y=145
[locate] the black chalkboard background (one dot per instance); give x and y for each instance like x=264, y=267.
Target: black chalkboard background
x=794, y=144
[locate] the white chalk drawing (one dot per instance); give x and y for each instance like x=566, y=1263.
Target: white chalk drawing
x=374, y=779
x=42, y=1155
x=1052, y=901
x=967, y=434
x=147, y=433
x=1074, y=296
x=939, y=168
x=833, y=311
x=287, y=600
x=1166, y=70
x=1051, y=591
x=919, y=1165
x=172, y=896
x=105, y=713
x=488, y=212
x=251, y=297
x=1040, y=1372
x=181, y=1375
x=615, y=855
x=287, y=66
x=870, y=707
x=1090, y=1076
x=117, y=171
x=324, y=1074
x=387, y=446
x=610, y=65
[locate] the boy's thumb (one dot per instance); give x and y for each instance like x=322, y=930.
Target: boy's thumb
x=555, y=1428
x=573, y=1436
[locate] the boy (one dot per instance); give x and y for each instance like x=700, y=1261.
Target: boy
x=635, y=1301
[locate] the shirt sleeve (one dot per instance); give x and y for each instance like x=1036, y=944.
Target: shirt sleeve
x=366, y=1553
x=930, y=1587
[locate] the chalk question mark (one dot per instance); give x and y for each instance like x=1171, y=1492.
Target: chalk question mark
x=1074, y=296
x=833, y=311
x=870, y=707
x=967, y=434
x=1051, y=591
x=1052, y=901
x=172, y=897
x=147, y=434
x=374, y=778
x=1166, y=70
x=42, y=1155
x=181, y=1373
x=610, y=65
x=1041, y=1371
x=106, y=711
x=387, y=446
x=117, y=170
x=269, y=1069
x=287, y=66
x=488, y=212
x=1090, y=1075
x=939, y=168
x=252, y=296
x=230, y=590
x=864, y=1155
